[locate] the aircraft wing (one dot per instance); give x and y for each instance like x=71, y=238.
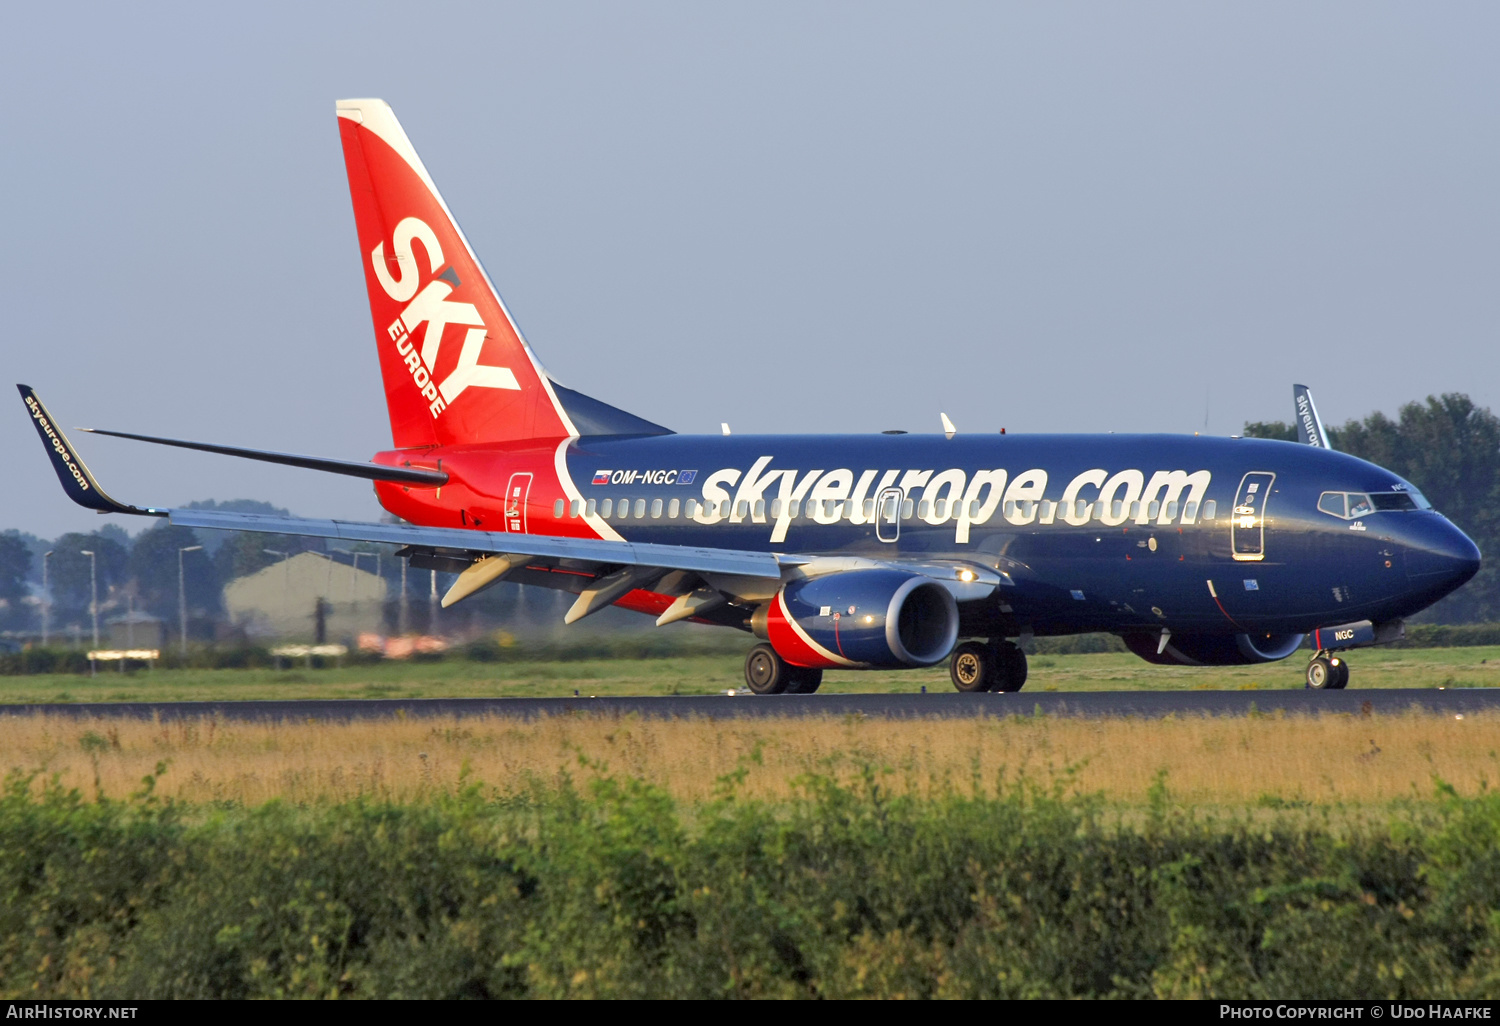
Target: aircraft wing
x=597, y=570
x=467, y=540
x=457, y=546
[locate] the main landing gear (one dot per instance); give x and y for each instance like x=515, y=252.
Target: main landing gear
x=766, y=673
x=988, y=666
x=1327, y=672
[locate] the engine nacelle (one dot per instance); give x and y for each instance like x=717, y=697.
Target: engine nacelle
x=1213, y=649
x=867, y=619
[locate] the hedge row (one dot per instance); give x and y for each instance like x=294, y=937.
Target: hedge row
x=616, y=891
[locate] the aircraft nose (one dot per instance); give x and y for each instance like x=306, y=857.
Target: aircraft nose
x=1439, y=553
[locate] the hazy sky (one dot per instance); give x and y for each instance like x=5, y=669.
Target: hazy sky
x=800, y=217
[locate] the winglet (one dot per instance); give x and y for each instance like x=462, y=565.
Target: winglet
x=1309, y=424
x=75, y=477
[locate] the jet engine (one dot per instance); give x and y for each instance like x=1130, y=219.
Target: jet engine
x=866, y=618
x=1213, y=649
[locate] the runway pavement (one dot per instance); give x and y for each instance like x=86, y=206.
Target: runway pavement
x=945, y=705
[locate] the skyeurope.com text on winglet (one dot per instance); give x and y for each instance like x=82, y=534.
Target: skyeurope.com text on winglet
x=75, y=477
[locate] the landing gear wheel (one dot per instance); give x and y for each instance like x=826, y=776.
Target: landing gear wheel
x=1341, y=675
x=1010, y=667
x=766, y=673
x=972, y=667
x=1321, y=676
x=803, y=680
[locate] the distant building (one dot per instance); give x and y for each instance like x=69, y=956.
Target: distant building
x=135, y=630
x=284, y=600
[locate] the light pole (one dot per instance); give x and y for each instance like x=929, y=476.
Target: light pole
x=403, y=622
x=46, y=599
x=182, y=595
x=93, y=592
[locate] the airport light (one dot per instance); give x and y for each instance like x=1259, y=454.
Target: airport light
x=93, y=592
x=46, y=599
x=182, y=595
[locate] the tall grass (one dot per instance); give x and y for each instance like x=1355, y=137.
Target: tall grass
x=1218, y=761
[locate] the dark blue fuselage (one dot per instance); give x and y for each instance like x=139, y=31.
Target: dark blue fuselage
x=1160, y=544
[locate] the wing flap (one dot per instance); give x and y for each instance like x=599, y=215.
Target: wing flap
x=586, y=550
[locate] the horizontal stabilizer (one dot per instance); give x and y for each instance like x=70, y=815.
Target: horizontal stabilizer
x=351, y=468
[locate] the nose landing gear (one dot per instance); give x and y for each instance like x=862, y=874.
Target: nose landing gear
x=987, y=666
x=1327, y=672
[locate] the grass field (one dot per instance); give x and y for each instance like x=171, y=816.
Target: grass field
x=1269, y=761
x=712, y=673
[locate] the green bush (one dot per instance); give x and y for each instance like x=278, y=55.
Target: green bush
x=617, y=891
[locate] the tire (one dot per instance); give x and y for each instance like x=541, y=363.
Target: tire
x=1341, y=674
x=766, y=673
x=803, y=680
x=1010, y=667
x=972, y=667
x=1321, y=676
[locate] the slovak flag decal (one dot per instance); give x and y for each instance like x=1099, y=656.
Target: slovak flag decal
x=601, y=477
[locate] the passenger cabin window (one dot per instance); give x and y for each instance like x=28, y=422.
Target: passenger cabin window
x=1135, y=510
x=606, y=507
x=1190, y=513
x=793, y=508
x=575, y=507
x=940, y=509
x=924, y=508
x=690, y=508
x=1117, y=509
x=723, y=507
x=1154, y=510
x=672, y=509
x=1171, y=511
x=640, y=509
x=557, y=508
x=759, y=513
x=590, y=508
x=1210, y=509
x=655, y=509
x=906, y=509
x=775, y=509
x=622, y=510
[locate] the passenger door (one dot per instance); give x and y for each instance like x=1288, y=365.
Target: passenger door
x=888, y=515
x=1247, y=527
x=515, y=502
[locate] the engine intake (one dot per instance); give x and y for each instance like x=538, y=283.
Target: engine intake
x=1213, y=649
x=861, y=618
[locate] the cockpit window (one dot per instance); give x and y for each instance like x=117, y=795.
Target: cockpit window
x=1349, y=505
x=1393, y=500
